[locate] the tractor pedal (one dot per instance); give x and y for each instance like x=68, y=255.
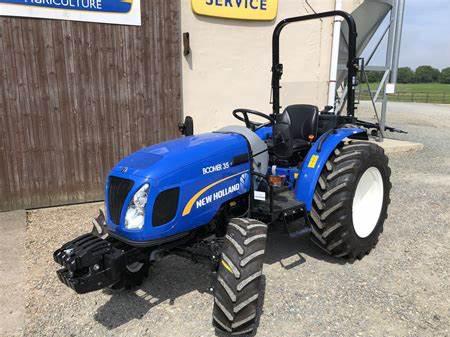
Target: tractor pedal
x=280, y=190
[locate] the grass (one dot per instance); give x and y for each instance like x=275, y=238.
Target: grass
x=415, y=92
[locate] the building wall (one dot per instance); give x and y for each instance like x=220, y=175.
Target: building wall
x=230, y=62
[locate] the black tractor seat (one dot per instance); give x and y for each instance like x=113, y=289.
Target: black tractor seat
x=295, y=129
x=304, y=120
x=300, y=144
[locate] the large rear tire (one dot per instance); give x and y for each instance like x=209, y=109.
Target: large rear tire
x=351, y=200
x=238, y=288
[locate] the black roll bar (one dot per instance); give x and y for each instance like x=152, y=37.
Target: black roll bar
x=352, y=65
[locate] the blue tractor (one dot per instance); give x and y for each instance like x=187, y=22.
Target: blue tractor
x=215, y=196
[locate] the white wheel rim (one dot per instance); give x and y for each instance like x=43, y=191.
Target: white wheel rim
x=368, y=202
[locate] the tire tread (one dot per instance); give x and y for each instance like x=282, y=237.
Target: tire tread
x=331, y=212
x=238, y=292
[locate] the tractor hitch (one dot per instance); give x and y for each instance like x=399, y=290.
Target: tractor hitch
x=90, y=263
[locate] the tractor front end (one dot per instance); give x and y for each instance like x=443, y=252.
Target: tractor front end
x=157, y=199
x=96, y=260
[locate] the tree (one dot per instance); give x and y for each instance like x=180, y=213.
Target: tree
x=406, y=75
x=436, y=75
x=374, y=76
x=445, y=75
x=427, y=74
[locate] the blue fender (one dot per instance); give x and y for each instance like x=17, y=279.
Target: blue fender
x=315, y=162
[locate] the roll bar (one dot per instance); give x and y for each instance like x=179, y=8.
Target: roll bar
x=352, y=64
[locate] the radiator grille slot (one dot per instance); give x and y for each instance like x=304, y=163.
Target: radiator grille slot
x=165, y=207
x=118, y=192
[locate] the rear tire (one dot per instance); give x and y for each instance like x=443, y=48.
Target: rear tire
x=351, y=200
x=238, y=288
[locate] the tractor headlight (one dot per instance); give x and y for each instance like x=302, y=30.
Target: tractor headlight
x=135, y=217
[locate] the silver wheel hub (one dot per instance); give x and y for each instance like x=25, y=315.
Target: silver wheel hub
x=135, y=267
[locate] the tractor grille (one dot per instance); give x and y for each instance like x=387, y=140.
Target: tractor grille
x=165, y=207
x=118, y=191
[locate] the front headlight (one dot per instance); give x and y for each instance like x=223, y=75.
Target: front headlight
x=135, y=217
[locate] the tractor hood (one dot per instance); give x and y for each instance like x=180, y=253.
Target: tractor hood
x=169, y=157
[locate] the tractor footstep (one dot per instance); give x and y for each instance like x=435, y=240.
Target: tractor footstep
x=297, y=229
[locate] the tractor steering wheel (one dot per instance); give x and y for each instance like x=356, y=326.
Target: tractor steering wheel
x=242, y=115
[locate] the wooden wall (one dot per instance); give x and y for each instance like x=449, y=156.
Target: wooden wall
x=76, y=97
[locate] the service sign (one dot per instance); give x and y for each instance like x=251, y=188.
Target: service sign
x=259, y=10
x=126, y=12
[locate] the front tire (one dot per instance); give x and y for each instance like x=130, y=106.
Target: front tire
x=238, y=289
x=351, y=200
x=133, y=276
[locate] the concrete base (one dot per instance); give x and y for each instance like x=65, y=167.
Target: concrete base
x=391, y=146
x=12, y=273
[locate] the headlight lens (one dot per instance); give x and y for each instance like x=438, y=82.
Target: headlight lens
x=135, y=217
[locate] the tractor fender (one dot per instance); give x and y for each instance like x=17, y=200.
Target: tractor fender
x=315, y=161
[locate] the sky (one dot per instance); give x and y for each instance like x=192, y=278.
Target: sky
x=426, y=35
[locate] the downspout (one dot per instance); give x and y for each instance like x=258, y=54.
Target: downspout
x=334, y=57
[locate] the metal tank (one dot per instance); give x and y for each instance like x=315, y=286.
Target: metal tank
x=369, y=16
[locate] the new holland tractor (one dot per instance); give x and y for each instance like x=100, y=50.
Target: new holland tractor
x=214, y=197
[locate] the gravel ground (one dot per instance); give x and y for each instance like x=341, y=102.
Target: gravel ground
x=401, y=289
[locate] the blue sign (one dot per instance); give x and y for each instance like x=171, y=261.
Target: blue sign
x=109, y=6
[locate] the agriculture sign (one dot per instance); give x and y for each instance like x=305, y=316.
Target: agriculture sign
x=259, y=10
x=126, y=12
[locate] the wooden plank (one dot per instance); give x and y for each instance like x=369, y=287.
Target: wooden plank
x=77, y=97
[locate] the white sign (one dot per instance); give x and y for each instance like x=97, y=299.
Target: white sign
x=261, y=196
x=390, y=88
x=126, y=12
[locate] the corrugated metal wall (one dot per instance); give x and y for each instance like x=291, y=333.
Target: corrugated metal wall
x=76, y=97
